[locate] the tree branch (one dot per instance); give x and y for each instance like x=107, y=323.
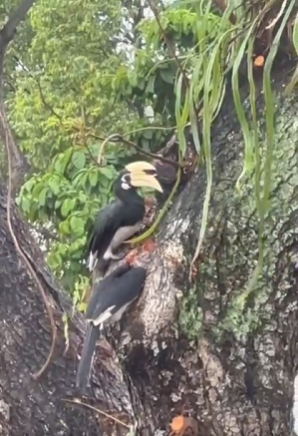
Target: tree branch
x=8, y=30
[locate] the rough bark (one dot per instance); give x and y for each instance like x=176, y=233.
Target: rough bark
x=231, y=369
x=27, y=406
x=234, y=380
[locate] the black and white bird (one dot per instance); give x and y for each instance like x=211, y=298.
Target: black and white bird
x=121, y=218
x=111, y=297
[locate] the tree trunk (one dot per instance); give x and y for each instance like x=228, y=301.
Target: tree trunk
x=40, y=407
x=190, y=349
x=231, y=369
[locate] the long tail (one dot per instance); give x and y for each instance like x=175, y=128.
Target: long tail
x=84, y=369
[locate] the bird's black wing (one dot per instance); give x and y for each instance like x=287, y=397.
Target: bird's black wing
x=119, y=293
x=120, y=287
x=84, y=369
x=103, y=287
x=108, y=220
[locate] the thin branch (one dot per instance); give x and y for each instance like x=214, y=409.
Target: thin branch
x=45, y=103
x=171, y=49
x=101, y=412
x=8, y=30
x=147, y=153
x=120, y=138
x=112, y=138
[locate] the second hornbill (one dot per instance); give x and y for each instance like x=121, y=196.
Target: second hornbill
x=121, y=218
x=111, y=297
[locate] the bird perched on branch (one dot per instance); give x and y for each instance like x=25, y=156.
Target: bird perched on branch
x=111, y=297
x=121, y=218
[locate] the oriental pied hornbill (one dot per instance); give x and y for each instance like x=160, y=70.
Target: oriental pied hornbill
x=121, y=218
x=111, y=297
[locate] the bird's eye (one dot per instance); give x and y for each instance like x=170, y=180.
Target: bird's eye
x=125, y=182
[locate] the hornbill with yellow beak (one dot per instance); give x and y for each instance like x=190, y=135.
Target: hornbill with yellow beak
x=121, y=218
x=111, y=297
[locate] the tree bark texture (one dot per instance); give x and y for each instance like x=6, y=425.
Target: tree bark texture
x=189, y=348
x=192, y=349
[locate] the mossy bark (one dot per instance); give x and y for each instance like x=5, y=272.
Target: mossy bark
x=227, y=360
x=189, y=348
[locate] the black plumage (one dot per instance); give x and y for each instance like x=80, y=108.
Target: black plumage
x=126, y=213
x=121, y=218
x=110, y=299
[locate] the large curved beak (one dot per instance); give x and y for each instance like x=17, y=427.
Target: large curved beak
x=143, y=175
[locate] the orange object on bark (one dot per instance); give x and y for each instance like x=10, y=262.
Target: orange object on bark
x=177, y=424
x=183, y=425
x=259, y=61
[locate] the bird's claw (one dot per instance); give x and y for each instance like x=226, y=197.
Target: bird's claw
x=131, y=257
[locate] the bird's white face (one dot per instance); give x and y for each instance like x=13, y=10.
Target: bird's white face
x=125, y=182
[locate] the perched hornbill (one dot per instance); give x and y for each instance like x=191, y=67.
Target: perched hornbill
x=121, y=218
x=111, y=297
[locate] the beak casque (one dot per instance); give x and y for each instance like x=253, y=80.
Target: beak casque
x=140, y=166
x=140, y=178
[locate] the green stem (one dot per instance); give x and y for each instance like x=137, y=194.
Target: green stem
x=160, y=216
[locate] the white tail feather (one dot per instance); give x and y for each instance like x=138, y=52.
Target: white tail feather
x=92, y=261
x=103, y=317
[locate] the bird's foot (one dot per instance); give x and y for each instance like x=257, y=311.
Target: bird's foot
x=131, y=257
x=148, y=246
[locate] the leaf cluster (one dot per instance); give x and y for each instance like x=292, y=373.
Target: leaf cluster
x=72, y=82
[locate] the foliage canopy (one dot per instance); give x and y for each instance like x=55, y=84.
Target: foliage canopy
x=70, y=83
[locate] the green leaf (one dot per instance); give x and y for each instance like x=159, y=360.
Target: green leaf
x=79, y=159
x=37, y=189
x=93, y=178
x=33, y=215
x=25, y=204
x=295, y=34
x=132, y=78
x=105, y=183
x=54, y=185
x=81, y=178
x=28, y=185
x=42, y=197
x=67, y=206
x=77, y=226
x=54, y=260
x=58, y=167
x=150, y=85
x=83, y=198
x=64, y=227
x=62, y=161
x=58, y=203
x=108, y=172
x=167, y=76
x=81, y=307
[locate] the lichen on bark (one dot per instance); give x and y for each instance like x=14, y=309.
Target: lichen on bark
x=235, y=367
